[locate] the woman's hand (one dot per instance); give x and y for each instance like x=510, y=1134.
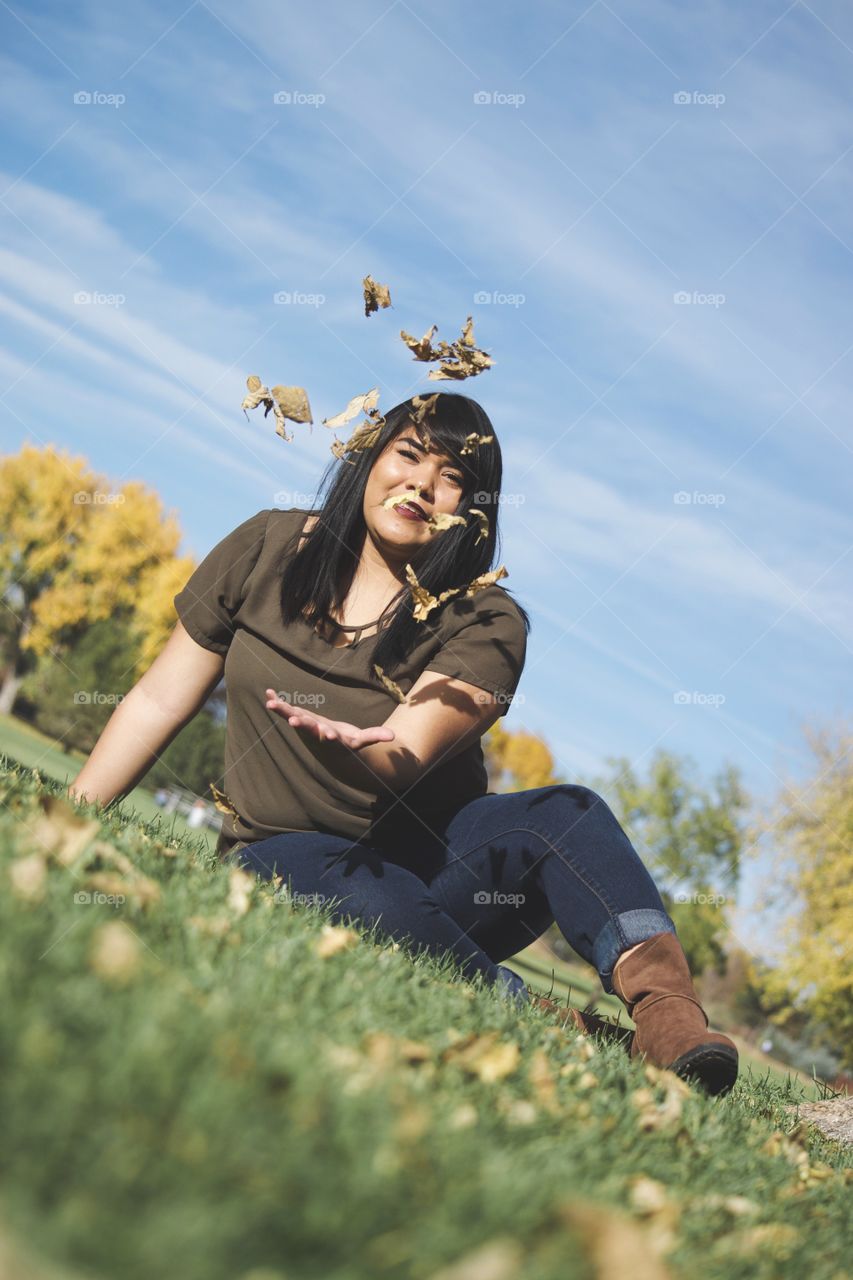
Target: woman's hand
x=327, y=730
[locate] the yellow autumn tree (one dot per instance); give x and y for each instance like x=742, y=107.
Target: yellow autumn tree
x=812, y=827
x=517, y=761
x=74, y=551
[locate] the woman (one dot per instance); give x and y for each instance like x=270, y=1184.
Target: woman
x=379, y=806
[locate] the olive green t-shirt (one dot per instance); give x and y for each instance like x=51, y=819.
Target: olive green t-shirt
x=277, y=776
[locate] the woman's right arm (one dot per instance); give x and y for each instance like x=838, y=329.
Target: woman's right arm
x=170, y=693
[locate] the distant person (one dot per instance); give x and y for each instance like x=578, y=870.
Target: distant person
x=196, y=815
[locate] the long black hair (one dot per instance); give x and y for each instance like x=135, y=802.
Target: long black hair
x=319, y=577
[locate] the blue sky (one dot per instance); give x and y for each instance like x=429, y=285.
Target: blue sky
x=655, y=200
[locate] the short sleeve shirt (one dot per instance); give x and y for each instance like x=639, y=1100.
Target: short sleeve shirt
x=277, y=777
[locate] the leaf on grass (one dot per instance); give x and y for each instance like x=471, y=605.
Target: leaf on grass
x=212, y=926
x=650, y=1199
x=333, y=939
x=375, y=295
x=485, y=1056
x=223, y=804
x=543, y=1080
x=390, y=684
x=284, y=402
x=614, y=1244
x=654, y=1115
x=28, y=876
x=240, y=886
x=59, y=831
x=136, y=887
x=115, y=954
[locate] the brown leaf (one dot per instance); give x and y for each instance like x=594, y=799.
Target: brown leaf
x=115, y=954
x=543, y=1080
x=240, y=886
x=334, y=938
x=223, y=804
x=375, y=295
x=498, y=1259
x=615, y=1244
x=284, y=402
x=472, y=441
x=421, y=348
x=60, y=831
x=390, y=684
x=28, y=876
x=358, y=404
x=484, y=1056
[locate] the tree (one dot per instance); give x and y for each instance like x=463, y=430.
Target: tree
x=194, y=759
x=813, y=826
x=691, y=838
x=74, y=551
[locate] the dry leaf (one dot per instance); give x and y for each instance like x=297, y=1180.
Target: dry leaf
x=60, y=831
x=498, y=1259
x=650, y=1199
x=285, y=402
x=424, y=602
x=358, y=404
x=471, y=442
x=213, y=926
x=541, y=1074
x=240, y=886
x=116, y=953
x=390, y=684
x=421, y=348
x=220, y=799
x=136, y=887
x=484, y=1056
x=441, y=520
x=615, y=1244
x=375, y=295
x=334, y=938
x=483, y=531
x=463, y=1117
x=28, y=876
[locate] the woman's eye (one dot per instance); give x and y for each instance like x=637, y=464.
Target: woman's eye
x=409, y=453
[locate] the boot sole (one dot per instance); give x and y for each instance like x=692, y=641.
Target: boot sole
x=713, y=1066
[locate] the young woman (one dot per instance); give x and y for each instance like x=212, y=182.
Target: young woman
x=379, y=807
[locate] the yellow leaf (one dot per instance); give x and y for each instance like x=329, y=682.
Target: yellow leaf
x=375, y=295
x=28, y=876
x=116, y=953
x=333, y=939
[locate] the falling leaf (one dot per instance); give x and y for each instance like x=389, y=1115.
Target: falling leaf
x=60, y=831
x=365, y=436
x=223, y=804
x=285, y=402
x=390, y=684
x=471, y=442
x=424, y=601
x=358, y=404
x=441, y=520
x=424, y=407
x=486, y=580
x=116, y=953
x=28, y=876
x=422, y=347
x=459, y=359
x=334, y=938
x=484, y=1056
x=375, y=295
x=483, y=519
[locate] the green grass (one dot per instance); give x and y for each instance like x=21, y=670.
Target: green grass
x=207, y=1097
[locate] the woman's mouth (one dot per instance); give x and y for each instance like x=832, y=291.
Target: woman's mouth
x=409, y=512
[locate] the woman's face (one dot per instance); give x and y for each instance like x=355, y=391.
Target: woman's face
x=434, y=482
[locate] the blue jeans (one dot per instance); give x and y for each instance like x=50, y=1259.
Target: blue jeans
x=485, y=884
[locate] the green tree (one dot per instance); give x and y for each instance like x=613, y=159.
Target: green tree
x=194, y=759
x=690, y=837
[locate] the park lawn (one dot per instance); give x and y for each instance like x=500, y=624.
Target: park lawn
x=22, y=744
x=208, y=1081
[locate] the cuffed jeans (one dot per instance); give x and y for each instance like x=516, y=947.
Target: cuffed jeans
x=484, y=885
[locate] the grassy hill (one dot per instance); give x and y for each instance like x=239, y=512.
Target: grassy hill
x=203, y=1080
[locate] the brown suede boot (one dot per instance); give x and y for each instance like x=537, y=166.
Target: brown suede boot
x=655, y=985
x=590, y=1023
